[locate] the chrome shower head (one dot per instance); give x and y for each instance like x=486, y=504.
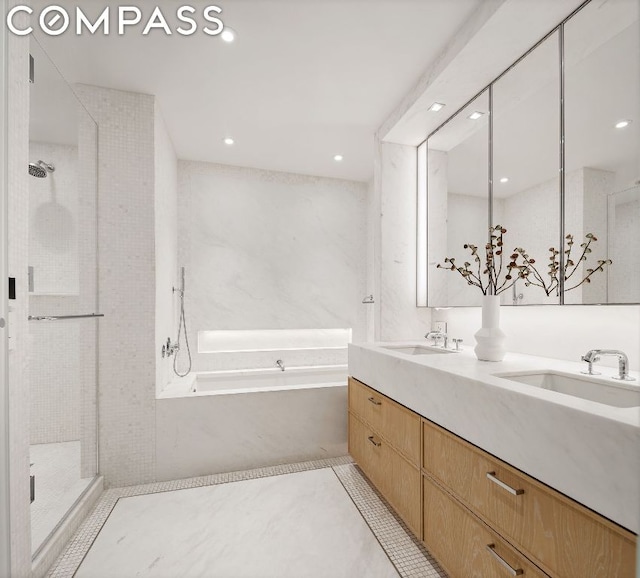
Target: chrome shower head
x=37, y=171
x=40, y=169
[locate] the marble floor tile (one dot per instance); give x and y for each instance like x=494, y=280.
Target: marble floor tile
x=58, y=485
x=288, y=526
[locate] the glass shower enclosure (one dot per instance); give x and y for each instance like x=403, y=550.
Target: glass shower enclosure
x=63, y=297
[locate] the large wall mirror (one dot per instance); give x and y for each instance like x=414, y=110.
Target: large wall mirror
x=602, y=132
x=457, y=178
x=526, y=166
x=574, y=209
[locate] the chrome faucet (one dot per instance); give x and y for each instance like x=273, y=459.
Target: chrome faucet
x=436, y=336
x=591, y=358
x=170, y=348
x=280, y=364
x=594, y=355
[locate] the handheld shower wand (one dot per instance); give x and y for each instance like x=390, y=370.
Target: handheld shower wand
x=181, y=289
x=181, y=323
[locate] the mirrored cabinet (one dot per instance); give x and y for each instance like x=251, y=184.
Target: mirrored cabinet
x=602, y=135
x=549, y=151
x=458, y=193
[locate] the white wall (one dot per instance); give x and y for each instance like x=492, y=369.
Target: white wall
x=269, y=250
x=166, y=245
x=559, y=332
x=374, y=217
x=372, y=287
x=399, y=318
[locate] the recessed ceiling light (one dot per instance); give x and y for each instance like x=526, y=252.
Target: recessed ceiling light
x=436, y=106
x=623, y=123
x=338, y=158
x=228, y=141
x=475, y=115
x=504, y=180
x=228, y=35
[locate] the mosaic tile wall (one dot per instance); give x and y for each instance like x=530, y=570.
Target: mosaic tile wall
x=625, y=272
x=127, y=283
x=53, y=254
x=88, y=283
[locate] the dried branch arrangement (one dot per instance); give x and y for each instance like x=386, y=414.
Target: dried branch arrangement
x=493, y=274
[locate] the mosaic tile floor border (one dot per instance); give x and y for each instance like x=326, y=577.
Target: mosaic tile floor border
x=405, y=552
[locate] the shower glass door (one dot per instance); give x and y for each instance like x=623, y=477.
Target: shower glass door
x=63, y=297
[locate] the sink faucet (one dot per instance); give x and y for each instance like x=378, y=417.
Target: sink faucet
x=594, y=355
x=591, y=357
x=436, y=336
x=280, y=364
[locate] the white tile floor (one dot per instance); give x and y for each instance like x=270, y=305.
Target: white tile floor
x=286, y=521
x=289, y=526
x=58, y=485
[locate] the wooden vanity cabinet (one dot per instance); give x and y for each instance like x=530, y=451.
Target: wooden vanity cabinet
x=477, y=515
x=562, y=537
x=463, y=545
x=384, y=440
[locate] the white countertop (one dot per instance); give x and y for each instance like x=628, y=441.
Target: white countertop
x=586, y=450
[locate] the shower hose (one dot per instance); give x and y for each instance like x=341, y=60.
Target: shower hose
x=182, y=323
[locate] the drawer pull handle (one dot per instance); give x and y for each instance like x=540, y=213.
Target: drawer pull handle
x=374, y=442
x=492, y=476
x=510, y=569
x=375, y=401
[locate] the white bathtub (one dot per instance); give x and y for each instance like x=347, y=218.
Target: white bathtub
x=256, y=381
x=222, y=421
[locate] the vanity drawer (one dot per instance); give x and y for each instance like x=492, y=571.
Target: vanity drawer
x=463, y=545
x=396, y=479
x=561, y=536
x=398, y=425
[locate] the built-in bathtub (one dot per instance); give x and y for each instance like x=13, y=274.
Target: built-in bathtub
x=222, y=421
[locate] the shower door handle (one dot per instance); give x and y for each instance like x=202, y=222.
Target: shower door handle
x=61, y=317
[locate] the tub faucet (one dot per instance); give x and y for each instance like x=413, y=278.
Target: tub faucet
x=594, y=355
x=280, y=364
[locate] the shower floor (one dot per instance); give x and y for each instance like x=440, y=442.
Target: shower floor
x=58, y=485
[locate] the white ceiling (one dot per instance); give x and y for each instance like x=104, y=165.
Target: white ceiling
x=498, y=34
x=304, y=80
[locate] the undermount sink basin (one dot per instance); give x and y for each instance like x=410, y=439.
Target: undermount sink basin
x=605, y=391
x=416, y=349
